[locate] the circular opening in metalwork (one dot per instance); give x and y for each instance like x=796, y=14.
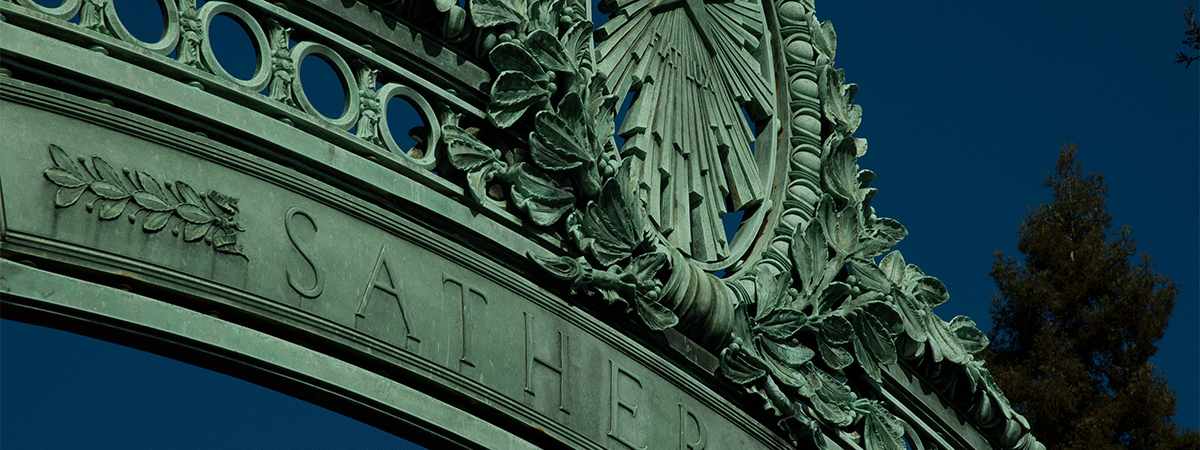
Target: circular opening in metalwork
x=234, y=42
x=67, y=10
x=232, y=46
x=50, y=4
x=137, y=18
x=319, y=79
x=315, y=73
x=408, y=128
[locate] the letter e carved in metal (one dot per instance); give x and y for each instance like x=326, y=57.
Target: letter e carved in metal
x=619, y=403
x=318, y=272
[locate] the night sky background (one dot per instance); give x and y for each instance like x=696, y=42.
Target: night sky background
x=965, y=106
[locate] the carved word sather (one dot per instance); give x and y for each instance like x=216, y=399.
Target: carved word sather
x=546, y=364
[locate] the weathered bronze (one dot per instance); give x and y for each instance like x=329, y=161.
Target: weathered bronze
x=517, y=279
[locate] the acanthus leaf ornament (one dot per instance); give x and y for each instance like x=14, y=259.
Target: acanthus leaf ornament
x=490, y=13
x=813, y=308
x=883, y=430
x=544, y=200
x=191, y=35
x=736, y=106
x=613, y=224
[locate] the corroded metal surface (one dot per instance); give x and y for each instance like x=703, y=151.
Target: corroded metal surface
x=516, y=256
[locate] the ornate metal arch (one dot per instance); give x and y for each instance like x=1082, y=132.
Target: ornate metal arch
x=806, y=317
x=734, y=105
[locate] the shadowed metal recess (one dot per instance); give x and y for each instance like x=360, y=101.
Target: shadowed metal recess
x=491, y=270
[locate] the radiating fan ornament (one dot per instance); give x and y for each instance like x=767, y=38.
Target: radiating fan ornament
x=696, y=81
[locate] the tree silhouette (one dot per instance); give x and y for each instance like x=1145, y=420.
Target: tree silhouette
x=1076, y=324
x=1193, y=36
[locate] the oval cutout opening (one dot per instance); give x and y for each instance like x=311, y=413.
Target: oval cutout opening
x=408, y=128
x=323, y=87
x=51, y=4
x=138, y=18
x=232, y=46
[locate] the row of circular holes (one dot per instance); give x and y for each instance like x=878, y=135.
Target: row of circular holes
x=233, y=40
x=234, y=55
x=232, y=28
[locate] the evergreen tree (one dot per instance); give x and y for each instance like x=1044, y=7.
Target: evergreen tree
x=1193, y=37
x=1075, y=325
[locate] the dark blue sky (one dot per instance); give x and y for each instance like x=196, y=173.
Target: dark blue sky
x=965, y=107
x=65, y=391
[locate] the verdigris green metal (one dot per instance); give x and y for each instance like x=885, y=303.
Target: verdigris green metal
x=209, y=216
x=430, y=264
x=361, y=283
x=24, y=290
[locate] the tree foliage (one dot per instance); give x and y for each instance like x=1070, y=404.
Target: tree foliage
x=1076, y=324
x=1193, y=37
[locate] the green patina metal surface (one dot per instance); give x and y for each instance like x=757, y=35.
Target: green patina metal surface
x=517, y=256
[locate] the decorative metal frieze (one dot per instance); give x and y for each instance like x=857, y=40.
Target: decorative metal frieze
x=101, y=16
x=208, y=216
x=277, y=67
x=812, y=309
